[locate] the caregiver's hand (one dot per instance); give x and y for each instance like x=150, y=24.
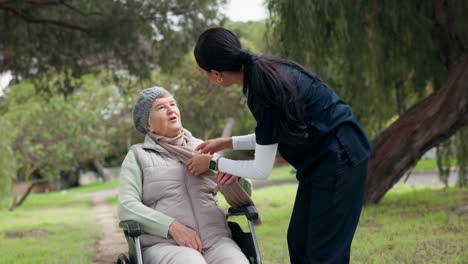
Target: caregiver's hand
x=214, y=145
x=225, y=178
x=199, y=164
x=185, y=236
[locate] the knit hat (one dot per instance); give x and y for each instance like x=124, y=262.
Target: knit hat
x=142, y=108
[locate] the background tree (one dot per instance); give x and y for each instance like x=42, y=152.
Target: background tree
x=8, y=163
x=50, y=135
x=383, y=57
x=56, y=50
x=132, y=35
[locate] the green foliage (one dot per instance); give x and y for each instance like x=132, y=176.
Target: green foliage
x=8, y=163
x=49, y=133
x=455, y=148
x=444, y=154
x=132, y=35
x=378, y=55
x=205, y=107
x=462, y=156
x=253, y=34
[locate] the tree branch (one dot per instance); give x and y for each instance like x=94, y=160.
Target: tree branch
x=16, y=204
x=60, y=3
x=35, y=20
x=49, y=2
x=423, y=126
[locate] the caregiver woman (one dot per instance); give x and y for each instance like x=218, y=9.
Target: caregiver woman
x=313, y=129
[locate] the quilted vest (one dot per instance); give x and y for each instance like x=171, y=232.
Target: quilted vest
x=169, y=188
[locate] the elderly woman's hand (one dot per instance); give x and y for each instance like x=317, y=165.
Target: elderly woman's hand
x=185, y=236
x=214, y=145
x=225, y=178
x=199, y=164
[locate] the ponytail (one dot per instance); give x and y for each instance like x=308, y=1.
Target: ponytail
x=220, y=49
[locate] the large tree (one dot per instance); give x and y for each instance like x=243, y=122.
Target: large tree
x=403, y=60
x=131, y=35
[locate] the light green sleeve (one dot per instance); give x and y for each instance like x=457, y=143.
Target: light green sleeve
x=130, y=206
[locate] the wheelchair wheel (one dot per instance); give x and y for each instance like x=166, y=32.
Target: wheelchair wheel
x=122, y=260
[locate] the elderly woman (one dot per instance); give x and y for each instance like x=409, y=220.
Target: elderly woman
x=178, y=213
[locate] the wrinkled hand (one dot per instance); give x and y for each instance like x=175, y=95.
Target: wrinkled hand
x=185, y=236
x=225, y=178
x=214, y=145
x=199, y=164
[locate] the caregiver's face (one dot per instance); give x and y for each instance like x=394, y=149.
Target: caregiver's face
x=164, y=118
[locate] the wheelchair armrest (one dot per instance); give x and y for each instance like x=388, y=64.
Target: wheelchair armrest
x=132, y=228
x=249, y=211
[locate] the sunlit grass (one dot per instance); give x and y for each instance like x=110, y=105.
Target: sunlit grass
x=286, y=172
x=408, y=226
x=66, y=227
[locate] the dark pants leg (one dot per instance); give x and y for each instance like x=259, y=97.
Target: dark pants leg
x=326, y=212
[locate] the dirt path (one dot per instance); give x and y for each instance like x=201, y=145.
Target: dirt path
x=112, y=241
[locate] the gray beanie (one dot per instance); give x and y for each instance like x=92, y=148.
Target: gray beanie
x=142, y=108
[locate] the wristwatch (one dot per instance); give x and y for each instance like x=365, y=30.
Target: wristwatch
x=214, y=163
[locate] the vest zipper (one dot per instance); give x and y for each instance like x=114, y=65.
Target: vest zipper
x=192, y=207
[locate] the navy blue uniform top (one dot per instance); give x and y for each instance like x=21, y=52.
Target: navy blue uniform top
x=327, y=116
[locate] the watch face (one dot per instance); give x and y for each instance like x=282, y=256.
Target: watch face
x=212, y=165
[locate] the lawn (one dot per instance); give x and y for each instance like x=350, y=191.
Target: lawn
x=54, y=227
x=286, y=172
x=408, y=226
x=414, y=226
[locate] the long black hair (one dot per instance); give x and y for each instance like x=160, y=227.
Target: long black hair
x=220, y=49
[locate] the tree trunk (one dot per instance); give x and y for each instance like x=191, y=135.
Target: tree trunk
x=68, y=179
x=100, y=170
x=25, y=195
x=227, y=132
x=422, y=127
x=430, y=121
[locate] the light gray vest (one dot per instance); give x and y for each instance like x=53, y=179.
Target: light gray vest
x=169, y=188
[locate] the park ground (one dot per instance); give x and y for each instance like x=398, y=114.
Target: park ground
x=412, y=224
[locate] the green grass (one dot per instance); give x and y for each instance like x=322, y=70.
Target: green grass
x=94, y=187
x=414, y=226
x=67, y=221
x=408, y=226
x=431, y=164
x=285, y=172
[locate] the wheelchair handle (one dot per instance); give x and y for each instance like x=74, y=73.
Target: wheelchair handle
x=249, y=211
x=132, y=228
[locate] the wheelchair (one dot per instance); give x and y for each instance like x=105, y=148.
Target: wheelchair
x=247, y=241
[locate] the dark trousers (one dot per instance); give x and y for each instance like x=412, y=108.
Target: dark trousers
x=326, y=211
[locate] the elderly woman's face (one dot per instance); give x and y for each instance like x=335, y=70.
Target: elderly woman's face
x=164, y=118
